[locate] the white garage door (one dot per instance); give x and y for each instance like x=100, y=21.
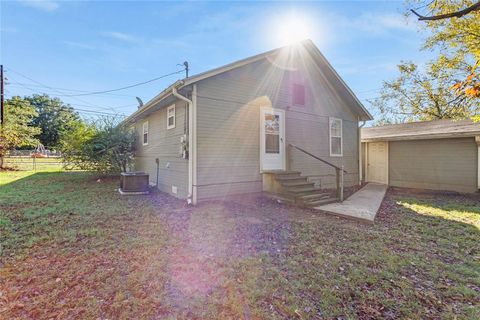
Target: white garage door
x=377, y=162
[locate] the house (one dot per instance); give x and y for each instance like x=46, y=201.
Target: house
x=240, y=128
x=440, y=155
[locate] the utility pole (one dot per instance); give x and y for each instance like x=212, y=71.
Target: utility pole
x=185, y=64
x=2, y=94
x=186, y=68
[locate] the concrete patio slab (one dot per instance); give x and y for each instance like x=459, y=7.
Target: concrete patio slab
x=362, y=205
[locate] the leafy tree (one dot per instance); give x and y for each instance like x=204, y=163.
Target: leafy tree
x=422, y=96
x=448, y=87
x=54, y=118
x=458, y=39
x=104, y=146
x=17, y=130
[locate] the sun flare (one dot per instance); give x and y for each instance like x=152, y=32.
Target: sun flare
x=291, y=28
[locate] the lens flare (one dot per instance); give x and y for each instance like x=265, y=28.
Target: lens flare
x=290, y=28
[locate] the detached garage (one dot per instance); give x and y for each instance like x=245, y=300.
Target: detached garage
x=439, y=155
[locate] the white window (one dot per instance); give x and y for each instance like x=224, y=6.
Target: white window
x=336, y=138
x=145, y=133
x=171, y=117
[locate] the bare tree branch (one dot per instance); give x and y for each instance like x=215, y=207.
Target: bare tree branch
x=458, y=14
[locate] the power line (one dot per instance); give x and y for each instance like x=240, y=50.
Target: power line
x=126, y=87
x=114, y=107
x=77, y=104
x=16, y=83
x=98, y=112
x=95, y=92
x=85, y=105
x=52, y=88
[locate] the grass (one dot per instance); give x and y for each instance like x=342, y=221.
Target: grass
x=73, y=248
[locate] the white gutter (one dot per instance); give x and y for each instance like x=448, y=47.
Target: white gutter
x=190, y=103
x=152, y=102
x=360, y=158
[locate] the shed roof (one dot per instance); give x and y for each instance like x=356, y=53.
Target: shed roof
x=436, y=129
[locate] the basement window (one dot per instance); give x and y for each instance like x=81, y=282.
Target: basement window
x=298, y=94
x=171, y=117
x=145, y=133
x=336, y=137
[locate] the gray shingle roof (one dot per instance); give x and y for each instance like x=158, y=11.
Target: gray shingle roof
x=422, y=130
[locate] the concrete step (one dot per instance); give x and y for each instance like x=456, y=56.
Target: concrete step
x=288, y=177
x=282, y=172
x=303, y=190
x=314, y=196
x=320, y=202
x=297, y=183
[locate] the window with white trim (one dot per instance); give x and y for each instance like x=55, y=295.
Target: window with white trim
x=336, y=137
x=171, y=117
x=145, y=133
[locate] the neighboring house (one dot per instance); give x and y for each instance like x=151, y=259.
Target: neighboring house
x=441, y=155
x=222, y=132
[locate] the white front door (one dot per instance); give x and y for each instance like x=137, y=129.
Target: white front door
x=377, y=162
x=272, y=139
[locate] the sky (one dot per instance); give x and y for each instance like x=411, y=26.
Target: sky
x=71, y=48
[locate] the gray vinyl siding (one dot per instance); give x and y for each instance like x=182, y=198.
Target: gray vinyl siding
x=441, y=164
x=228, y=132
x=311, y=132
x=165, y=145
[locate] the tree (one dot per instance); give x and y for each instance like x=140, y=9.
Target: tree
x=54, y=118
x=448, y=82
x=458, y=39
x=422, y=96
x=17, y=130
x=104, y=146
x=454, y=14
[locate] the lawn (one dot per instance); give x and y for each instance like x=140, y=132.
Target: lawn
x=72, y=247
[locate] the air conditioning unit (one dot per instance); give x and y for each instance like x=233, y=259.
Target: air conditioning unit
x=134, y=183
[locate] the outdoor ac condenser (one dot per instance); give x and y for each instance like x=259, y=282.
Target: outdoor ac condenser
x=134, y=183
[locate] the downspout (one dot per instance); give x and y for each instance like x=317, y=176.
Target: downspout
x=360, y=155
x=190, y=143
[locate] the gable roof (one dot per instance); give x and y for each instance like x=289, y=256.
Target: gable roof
x=436, y=129
x=307, y=44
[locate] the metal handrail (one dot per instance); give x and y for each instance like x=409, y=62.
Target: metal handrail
x=338, y=171
x=314, y=156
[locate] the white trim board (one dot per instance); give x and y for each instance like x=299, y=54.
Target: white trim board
x=282, y=137
x=368, y=170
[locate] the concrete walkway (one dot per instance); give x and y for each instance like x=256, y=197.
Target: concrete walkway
x=362, y=205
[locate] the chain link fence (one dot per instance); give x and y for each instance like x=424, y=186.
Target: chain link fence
x=44, y=153
x=35, y=160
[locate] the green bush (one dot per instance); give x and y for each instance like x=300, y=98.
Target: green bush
x=103, y=146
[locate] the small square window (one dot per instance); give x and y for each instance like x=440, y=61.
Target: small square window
x=145, y=133
x=298, y=94
x=171, y=117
